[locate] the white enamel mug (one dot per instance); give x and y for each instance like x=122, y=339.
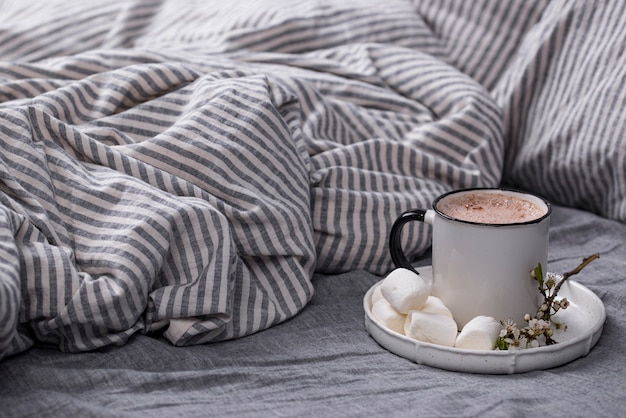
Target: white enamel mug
x=478, y=268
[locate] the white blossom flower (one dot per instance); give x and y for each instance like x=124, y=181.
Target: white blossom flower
x=540, y=328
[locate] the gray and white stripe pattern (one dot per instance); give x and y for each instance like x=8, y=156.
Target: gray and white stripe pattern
x=187, y=167
x=563, y=99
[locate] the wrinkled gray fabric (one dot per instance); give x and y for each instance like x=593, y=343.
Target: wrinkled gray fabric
x=323, y=363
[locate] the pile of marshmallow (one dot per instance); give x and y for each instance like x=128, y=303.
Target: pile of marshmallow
x=402, y=302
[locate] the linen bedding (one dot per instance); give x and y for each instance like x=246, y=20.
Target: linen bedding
x=225, y=176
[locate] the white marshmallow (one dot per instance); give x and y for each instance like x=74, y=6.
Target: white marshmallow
x=376, y=295
x=435, y=305
x=431, y=328
x=480, y=333
x=405, y=290
x=390, y=318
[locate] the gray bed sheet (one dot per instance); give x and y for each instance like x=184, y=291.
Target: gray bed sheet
x=324, y=363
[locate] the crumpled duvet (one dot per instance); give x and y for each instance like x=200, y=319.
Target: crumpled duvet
x=186, y=168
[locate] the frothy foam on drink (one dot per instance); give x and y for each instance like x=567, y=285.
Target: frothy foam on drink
x=490, y=208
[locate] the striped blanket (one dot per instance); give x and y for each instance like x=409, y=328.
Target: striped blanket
x=186, y=167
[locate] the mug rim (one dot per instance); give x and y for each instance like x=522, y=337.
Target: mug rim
x=495, y=189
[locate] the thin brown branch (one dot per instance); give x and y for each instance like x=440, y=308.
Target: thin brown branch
x=577, y=270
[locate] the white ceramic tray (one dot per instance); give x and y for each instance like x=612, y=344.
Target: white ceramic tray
x=584, y=318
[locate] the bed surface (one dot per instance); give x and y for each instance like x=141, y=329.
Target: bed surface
x=323, y=363
x=196, y=196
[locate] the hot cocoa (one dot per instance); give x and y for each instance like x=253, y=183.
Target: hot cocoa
x=490, y=208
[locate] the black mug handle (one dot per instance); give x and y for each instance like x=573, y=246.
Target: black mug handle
x=395, y=244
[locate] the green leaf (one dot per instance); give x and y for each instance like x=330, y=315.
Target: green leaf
x=501, y=344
